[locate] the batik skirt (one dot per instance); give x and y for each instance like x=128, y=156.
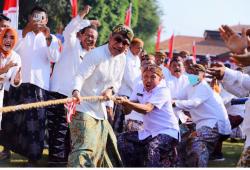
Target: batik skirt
x=23, y=131
x=59, y=137
x=159, y=151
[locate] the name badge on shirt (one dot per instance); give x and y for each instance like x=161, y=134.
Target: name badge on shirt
x=139, y=94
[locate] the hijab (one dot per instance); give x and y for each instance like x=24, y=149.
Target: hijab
x=2, y=34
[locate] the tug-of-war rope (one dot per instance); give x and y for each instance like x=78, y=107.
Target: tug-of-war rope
x=50, y=103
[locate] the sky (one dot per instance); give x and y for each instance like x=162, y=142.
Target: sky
x=192, y=17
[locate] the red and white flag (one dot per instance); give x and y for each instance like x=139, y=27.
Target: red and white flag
x=194, y=51
x=170, y=48
x=158, y=38
x=73, y=8
x=71, y=109
x=128, y=16
x=11, y=10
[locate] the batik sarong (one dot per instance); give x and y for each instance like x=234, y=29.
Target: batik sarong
x=133, y=125
x=59, y=137
x=159, y=151
x=23, y=131
x=195, y=147
x=244, y=158
x=93, y=143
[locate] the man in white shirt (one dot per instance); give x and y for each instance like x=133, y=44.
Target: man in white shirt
x=28, y=137
x=100, y=72
x=208, y=113
x=237, y=82
x=155, y=145
x=74, y=49
x=132, y=71
x=177, y=80
x=134, y=120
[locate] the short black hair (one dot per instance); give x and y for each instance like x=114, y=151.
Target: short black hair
x=82, y=31
x=176, y=59
x=3, y=17
x=39, y=9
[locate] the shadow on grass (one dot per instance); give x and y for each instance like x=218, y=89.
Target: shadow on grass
x=17, y=160
x=231, y=152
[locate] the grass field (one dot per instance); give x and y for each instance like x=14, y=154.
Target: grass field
x=231, y=152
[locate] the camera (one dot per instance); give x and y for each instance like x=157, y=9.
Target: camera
x=38, y=17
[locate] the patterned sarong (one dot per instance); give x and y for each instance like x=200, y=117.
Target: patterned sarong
x=59, y=137
x=93, y=143
x=196, y=146
x=23, y=131
x=159, y=151
x=133, y=125
x=244, y=158
x=119, y=118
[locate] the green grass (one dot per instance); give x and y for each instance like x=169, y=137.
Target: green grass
x=230, y=150
x=20, y=161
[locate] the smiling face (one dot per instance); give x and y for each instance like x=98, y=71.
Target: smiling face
x=88, y=38
x=176, y=68
x=8, y=41
x=150, y=80
x=118, y=44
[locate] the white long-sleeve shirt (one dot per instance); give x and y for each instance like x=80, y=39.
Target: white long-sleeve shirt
x=233, y=110
x=9, y=76
x=176, y=85
x=71, y=57
x=239, y=81
x=236, y=82
x=98, y=71
x=132, y=71
x=36, y=57
x=206, y=107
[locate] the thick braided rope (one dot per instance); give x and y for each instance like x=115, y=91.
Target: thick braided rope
x=49, y=103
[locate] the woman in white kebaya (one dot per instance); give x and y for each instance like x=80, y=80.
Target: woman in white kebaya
x=10, y=62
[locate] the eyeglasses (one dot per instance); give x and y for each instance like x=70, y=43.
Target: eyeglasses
x=119, y=39
x=49, y=38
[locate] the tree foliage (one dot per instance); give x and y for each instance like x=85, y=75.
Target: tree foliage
x=145, y=18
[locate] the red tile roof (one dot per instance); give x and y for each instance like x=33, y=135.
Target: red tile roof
x=203, y=47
